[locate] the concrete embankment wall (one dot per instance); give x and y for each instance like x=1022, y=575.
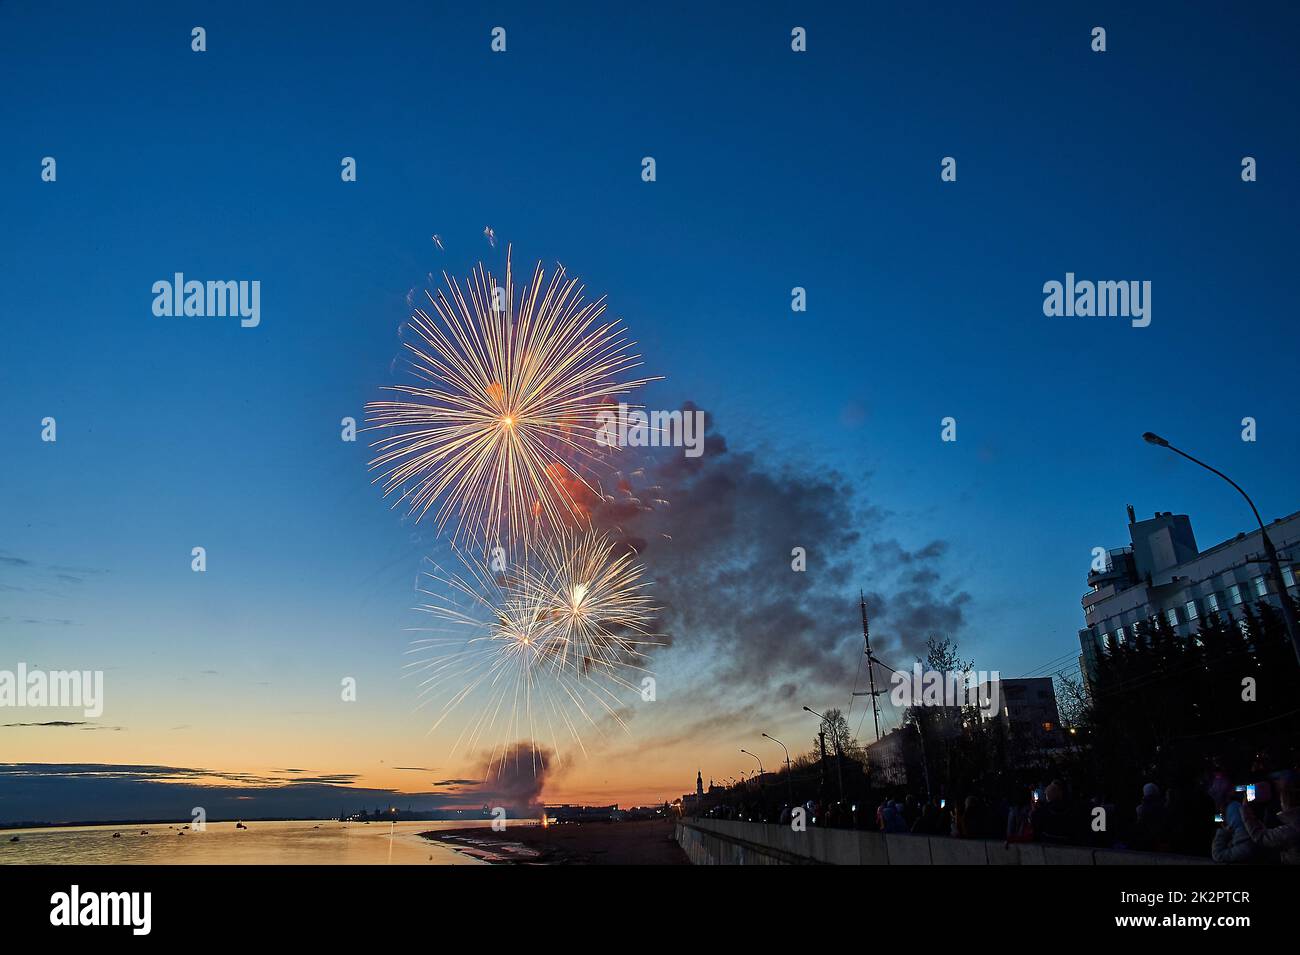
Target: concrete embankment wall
x=720, y=842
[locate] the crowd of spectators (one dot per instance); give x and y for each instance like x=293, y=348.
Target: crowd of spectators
x=1255, y=823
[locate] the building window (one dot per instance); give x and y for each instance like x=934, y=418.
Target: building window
x=1172, y=616
x=1189, y=608
x=1234, y=595
x=1288, y=576
x=1119, y=635
x=1211, y=603
x=1261, y=588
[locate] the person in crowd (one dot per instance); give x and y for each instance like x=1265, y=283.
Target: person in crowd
x=1284, y=837
x=927, y=822
x=812, y=813
x=943, y=818
x=1191, y=819
x=1151, y=829
x=1105, y=828
x=911, y=811
x=1052, y=818
x=893, y=818
x=1019, y=827
x=836, y=816
x=945, y=824
x=1232, y=843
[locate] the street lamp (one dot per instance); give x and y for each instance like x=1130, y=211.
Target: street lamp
x=789, y=775
x=839, y=756
x=760, y=762
x=782, y=745
x=1288, y=609
x=834, y=736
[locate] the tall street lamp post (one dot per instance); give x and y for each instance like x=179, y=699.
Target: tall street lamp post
x=839, y=756
x=789, y=778
x=1275, y=566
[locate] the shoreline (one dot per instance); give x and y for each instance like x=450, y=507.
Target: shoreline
x=648, y=842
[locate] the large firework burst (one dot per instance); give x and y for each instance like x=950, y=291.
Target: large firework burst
x=543, y=653
x=501, y=431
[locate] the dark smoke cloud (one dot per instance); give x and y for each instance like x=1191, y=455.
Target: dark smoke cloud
x=516, y=777
x=716, y=535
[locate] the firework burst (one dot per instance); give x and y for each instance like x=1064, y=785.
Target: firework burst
x=500, y=433
x=544, y=655
x=592, y=596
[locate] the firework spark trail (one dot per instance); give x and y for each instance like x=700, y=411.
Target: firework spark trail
x=504, y=423
x=543, y=655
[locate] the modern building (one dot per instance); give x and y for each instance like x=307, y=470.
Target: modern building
x=1026, y=706
x=894, y=760
x=1162, y=574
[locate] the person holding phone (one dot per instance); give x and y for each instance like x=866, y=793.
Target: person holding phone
x=1285, y=838
x=1232, y=844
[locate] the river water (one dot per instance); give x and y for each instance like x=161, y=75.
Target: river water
x=300, y=842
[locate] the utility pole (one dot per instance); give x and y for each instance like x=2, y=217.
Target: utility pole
x=839, y=752
x=821, y=742
x=871, y=669
x=925, y=760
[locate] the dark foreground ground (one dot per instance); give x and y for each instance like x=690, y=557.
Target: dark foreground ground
x=596, y=843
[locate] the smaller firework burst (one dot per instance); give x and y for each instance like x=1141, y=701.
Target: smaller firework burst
x=545, y=653
x=592, y=595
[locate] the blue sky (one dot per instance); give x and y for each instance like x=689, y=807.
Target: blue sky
x=775, y=169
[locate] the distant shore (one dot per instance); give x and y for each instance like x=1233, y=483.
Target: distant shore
x=648, y=842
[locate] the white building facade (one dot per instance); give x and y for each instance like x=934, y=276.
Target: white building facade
x=1163, y=574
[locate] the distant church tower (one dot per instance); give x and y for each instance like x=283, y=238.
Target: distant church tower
x=699, y=783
